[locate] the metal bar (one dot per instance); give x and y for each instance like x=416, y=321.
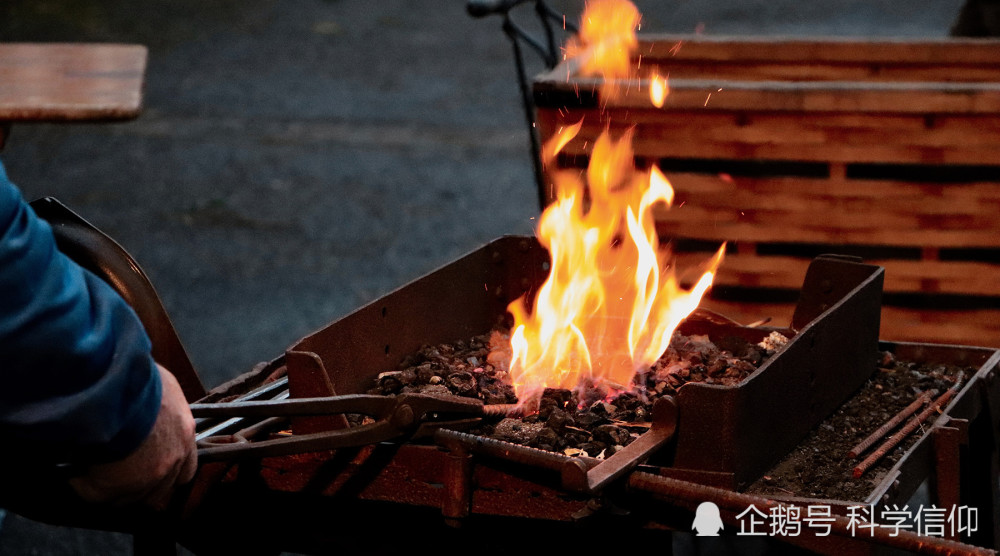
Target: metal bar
x=515, y=453
x=238, y=448
x=890, y=424
x=397, y=416
x=228, y=424
x=895, y=439
x=271, y=423
x=350, y=403
x=259, y=392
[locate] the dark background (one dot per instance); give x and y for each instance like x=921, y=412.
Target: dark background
x=297, y=159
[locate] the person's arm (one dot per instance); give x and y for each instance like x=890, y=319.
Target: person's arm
x=165, y=459
x=77, y=382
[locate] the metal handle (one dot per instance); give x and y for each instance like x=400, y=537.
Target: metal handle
x=398, y=416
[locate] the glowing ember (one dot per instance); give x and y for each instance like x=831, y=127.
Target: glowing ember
x=612, y=299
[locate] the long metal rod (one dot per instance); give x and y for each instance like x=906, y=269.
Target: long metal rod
x=902, y=433
x=353, y=403
x=232, y=422
x=891, y=424
x=276, y=390
x=515, y=453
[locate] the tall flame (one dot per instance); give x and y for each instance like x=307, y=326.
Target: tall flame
x=612, y=299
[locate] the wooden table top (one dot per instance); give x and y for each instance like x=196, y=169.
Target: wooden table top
x=71, y=82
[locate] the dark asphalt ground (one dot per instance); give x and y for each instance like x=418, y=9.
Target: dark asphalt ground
x=297, y=159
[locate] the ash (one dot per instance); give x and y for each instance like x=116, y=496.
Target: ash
x=589, y=421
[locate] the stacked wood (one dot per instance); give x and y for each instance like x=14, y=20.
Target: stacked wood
x=789, y=148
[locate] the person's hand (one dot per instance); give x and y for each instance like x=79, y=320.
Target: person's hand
x=166, y=459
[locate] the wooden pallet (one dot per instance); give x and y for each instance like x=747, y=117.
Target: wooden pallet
x=790, y=148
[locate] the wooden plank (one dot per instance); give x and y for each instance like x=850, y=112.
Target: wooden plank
x=860, y=138
x=784, y=58
x=971, y=328
x=833, y=130
x=752, y=271
x=777, y=226
x=804, y=210
x=806, y=96
x=818, y=71
x=76, y=82
x=950, y=277
x=919, y=203
x=832, y=211
x=921, y=197
x=901, y=276
x=829, y=59
x=805, y=152
x=792, y=50
x=779, y=122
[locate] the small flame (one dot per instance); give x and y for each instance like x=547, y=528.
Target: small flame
x=612, y=299
x=658, y=89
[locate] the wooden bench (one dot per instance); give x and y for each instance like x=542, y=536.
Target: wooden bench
x=70, y=82
x=789, y=148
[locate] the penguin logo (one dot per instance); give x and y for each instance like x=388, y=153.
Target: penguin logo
x=707, y=521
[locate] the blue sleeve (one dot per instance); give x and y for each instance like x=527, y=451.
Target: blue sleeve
x=77, y=380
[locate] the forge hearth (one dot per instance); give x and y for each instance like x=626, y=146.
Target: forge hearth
x=726, y=436
x=702, y=443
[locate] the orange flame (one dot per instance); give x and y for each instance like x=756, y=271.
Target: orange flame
x=658, y=89
x=606, y=41
x=612, y=300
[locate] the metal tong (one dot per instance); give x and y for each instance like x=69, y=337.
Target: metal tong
x=396, y=417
